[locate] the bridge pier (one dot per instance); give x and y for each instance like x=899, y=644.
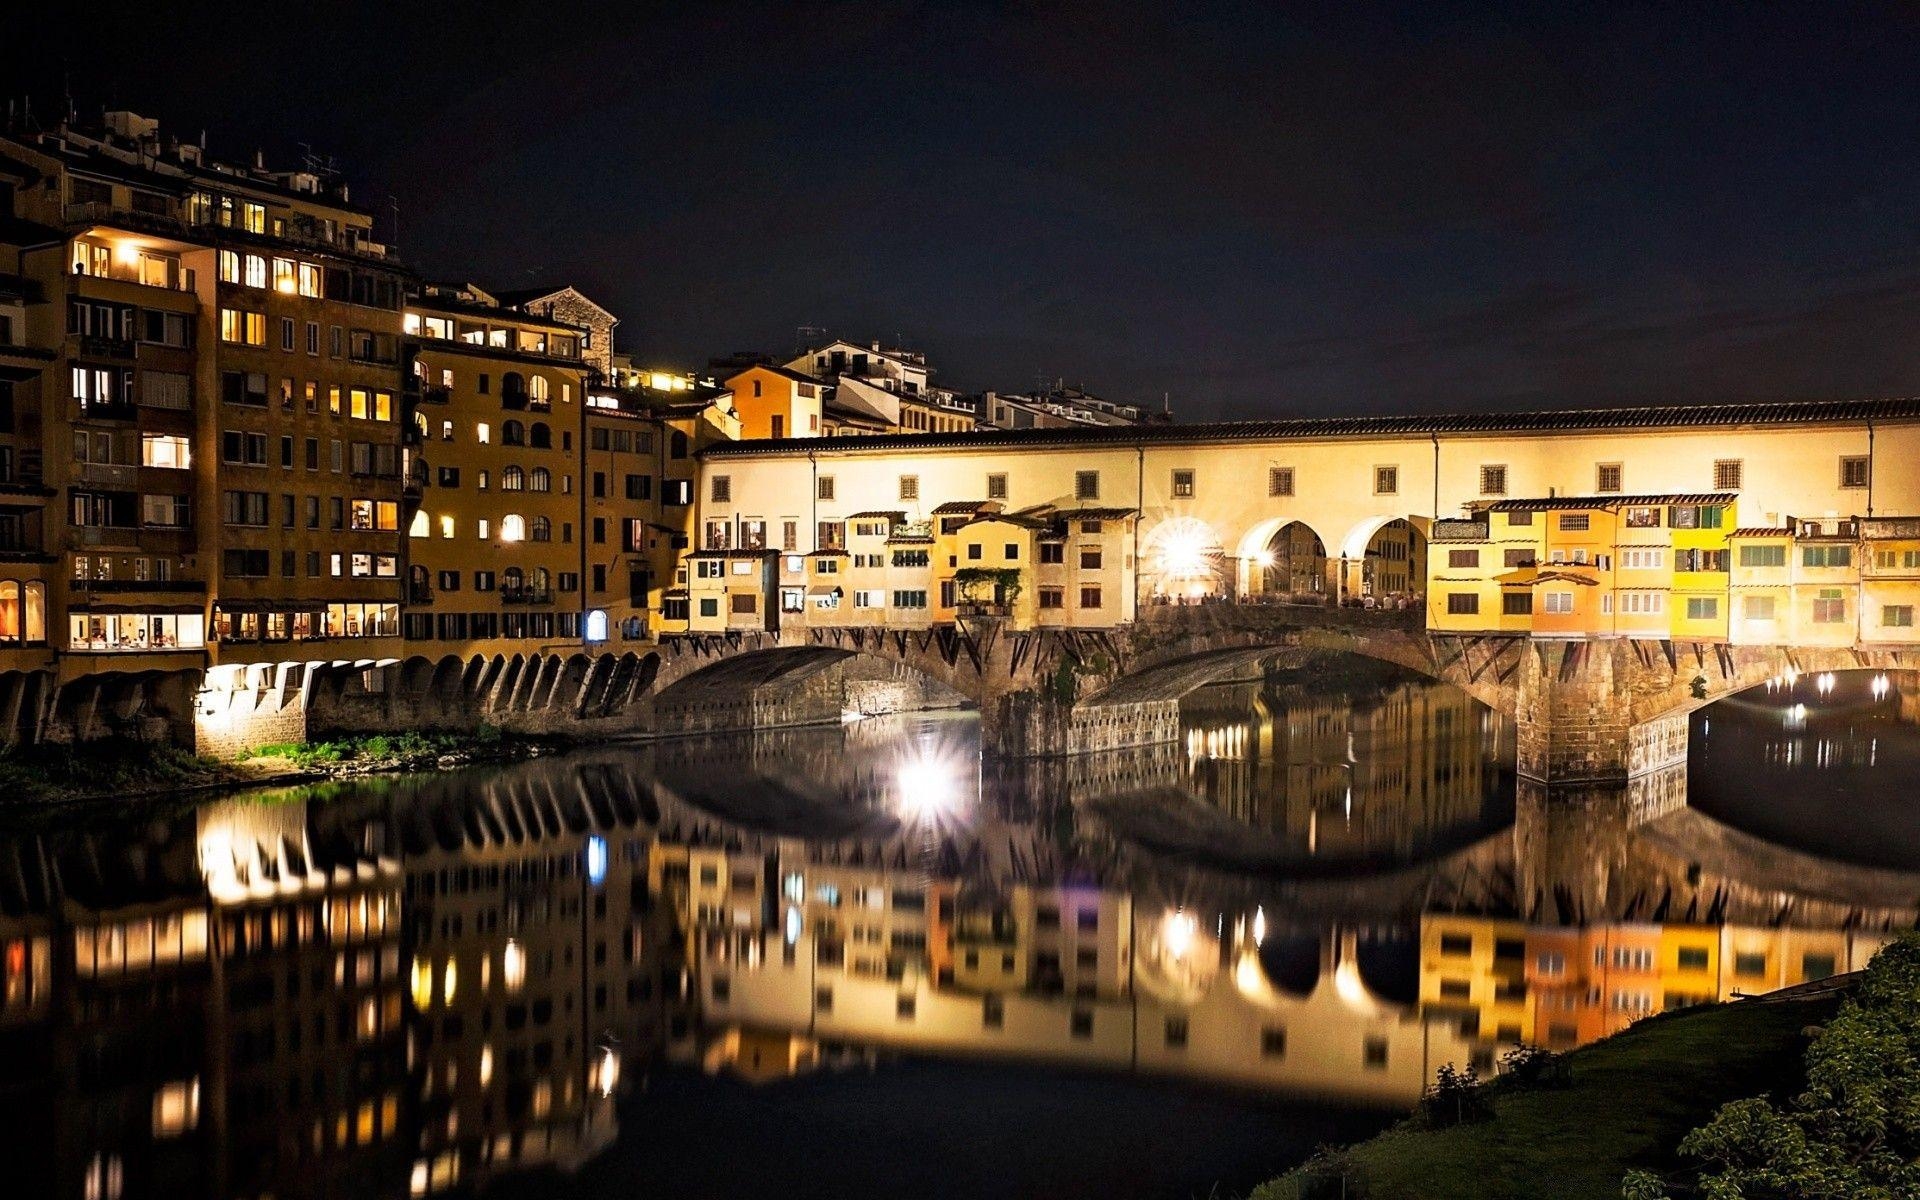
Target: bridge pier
x=1574, y=712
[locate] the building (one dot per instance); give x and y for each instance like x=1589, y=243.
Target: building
x=496, y=553
x=569, y=306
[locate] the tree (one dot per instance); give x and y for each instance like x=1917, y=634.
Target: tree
x=1854, y=1133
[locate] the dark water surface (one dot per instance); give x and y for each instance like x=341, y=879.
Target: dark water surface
x=860, y=962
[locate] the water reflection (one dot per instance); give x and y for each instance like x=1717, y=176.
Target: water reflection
x=408, y=987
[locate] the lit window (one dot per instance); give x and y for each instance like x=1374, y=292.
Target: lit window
x=513, y=528
x=176, y=1108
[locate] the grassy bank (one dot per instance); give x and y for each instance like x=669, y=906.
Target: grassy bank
x=114, y=767
x=119, y=767
x=1632, y=1098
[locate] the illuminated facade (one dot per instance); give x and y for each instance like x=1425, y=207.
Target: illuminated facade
x=495, y=546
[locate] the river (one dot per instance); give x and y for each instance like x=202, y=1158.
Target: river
x=860, y=961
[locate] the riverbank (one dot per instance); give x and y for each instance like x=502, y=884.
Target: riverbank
x=116, y=769
x=1632, y=1098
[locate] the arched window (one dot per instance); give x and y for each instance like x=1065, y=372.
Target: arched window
x=513, y=579
x=678, y=445
x=542, y=480
x=542, y=437
x=513, y=390
x=542, y=529
x=36, y=622
x=537, y=389
x=597, y=625
x=541, y=581
x=421, y=524
x=513, y=528
x=11, y=626
x=513, y=433
x=512, y=479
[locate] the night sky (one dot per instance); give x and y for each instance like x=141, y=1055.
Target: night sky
x=1263, y=214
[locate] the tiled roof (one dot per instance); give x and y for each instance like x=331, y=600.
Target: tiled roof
x=961, y=506
x=872, y=513
x=1096, y=514
x=1548, y=502
x=1761, y=531
x=1581, y=419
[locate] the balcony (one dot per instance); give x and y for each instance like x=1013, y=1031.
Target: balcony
x=115, y=475
x=106, y=412
x=125, y=218
x=526, y=595
x=1890, y=527
x=120, y=587
x=435, y=394
x=90, y=346
x=419, y=593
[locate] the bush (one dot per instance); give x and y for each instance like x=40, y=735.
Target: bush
x=1455, y=1098
x=1536, y=1066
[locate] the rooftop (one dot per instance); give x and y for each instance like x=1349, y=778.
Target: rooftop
x=1639, y=418
x=1638, y=501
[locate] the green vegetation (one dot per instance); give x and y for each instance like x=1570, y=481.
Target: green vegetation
x=1853, y=1132
x=400, y=751
x=1573, y=1131
x=980, y=585
x=117, y=766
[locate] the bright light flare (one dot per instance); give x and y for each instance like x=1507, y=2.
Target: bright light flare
x=1881, y=686
x=926, y=784
x=1178, y=933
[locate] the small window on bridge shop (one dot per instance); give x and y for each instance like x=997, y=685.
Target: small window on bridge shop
x=1183, y=485
x=917, y=599
x=1558, y=603
x=1386, y=481
x=1460, y=604
x=1493, y=480
x=1279, y=481
x=1519, y=558
x=1463, y=558
x=1574, y=522
x=1608, y=477
x=1273, y=1042
x=1703, y=608
x=135, y=632
x=1086, y=485
x=1728, y=474
x=1826, y=556
x=1757, y=608
x=1696, y=516
x=1896, y=616
x=1516, y=604
x=1053, y=552
x=1090, y=597
x=996, y=486
x=1053, y=597
x=1521, y=518
x=1643, y=516
x=1830, y=607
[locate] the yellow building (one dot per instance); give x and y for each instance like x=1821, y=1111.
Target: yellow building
x=778, y=402
x=495, y=550
x=1579, y=567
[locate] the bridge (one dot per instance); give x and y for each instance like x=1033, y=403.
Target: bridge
x=1585, y=711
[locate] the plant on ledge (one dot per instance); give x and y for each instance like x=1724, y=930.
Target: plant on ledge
x=983, y=588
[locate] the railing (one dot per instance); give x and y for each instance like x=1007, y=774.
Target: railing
x=1890, y=527
x=526, y=595
x=106, y=214
x=105, y=587
x=103, y=347
x=111, y=474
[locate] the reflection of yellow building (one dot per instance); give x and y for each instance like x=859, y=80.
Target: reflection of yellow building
x=1565, y=986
